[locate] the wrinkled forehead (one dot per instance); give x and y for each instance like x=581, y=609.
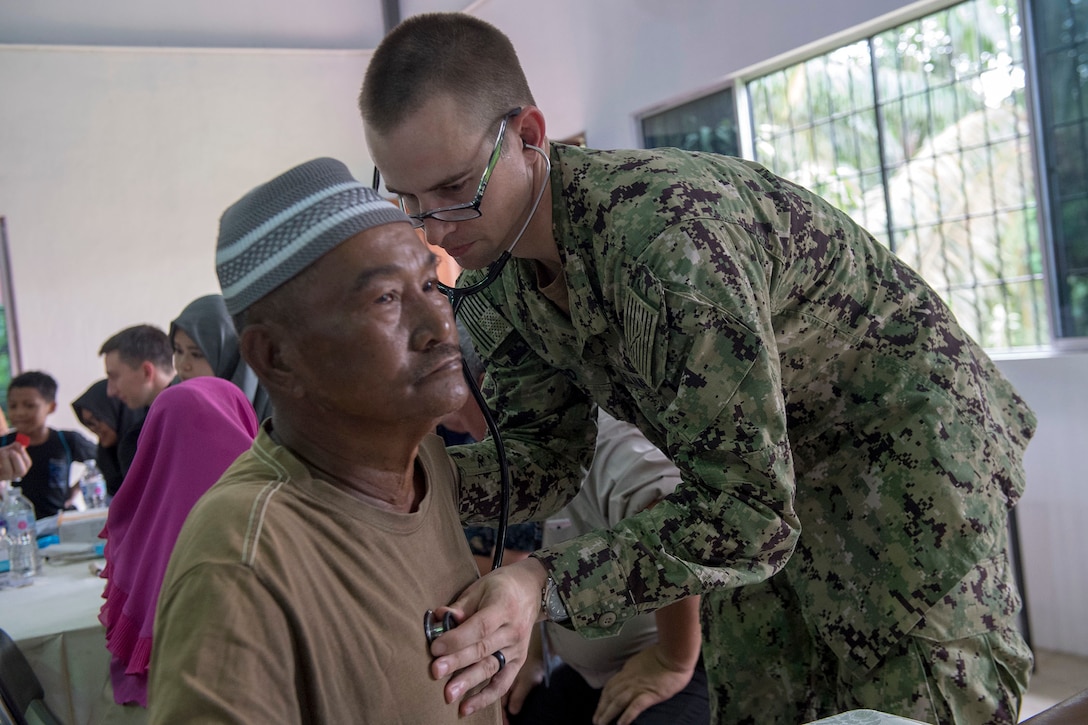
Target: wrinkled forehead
x=392, y=248
x=381, y=250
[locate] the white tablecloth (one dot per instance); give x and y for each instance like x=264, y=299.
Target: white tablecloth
x=62, y=597
x=55, y=623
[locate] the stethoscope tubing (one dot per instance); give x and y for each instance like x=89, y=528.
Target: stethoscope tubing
x=457, y=296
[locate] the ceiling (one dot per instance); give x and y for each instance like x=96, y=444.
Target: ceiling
x=315, y=24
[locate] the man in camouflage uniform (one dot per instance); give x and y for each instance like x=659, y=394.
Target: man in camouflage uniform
x=849, y=454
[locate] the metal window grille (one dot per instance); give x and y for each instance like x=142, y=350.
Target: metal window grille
x=921, y=133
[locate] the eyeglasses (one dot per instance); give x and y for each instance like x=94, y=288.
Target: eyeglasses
x=470, y=209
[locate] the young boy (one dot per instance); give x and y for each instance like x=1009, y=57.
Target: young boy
x=32, y=397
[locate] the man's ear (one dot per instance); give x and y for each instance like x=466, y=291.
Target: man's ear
x=530, y=127
x=262, y=347
x=53, y=407
x=147, y=370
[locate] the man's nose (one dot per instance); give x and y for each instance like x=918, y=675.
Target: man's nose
x=435, y=230
x=435, y=323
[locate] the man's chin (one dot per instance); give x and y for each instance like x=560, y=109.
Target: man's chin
x=473, y=260
x=473, y=255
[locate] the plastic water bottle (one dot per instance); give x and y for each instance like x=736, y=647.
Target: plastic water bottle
x=93, y=485
x=22, y=538
x=5, y=555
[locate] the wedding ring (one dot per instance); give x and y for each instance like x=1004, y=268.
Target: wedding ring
x=497, y=654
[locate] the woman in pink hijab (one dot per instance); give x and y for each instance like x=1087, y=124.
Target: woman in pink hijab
x=193, y=432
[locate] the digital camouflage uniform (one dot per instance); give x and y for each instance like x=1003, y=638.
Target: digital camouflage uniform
x=835, y=428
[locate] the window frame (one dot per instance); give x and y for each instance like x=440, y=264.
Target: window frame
x=1060, y=344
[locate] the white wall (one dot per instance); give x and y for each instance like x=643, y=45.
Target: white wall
x=551, y=45
x=1054, y=509
x=115, y=165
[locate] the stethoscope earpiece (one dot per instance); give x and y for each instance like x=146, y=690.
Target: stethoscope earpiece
x=433, y=630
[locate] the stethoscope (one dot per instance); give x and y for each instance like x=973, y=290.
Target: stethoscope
x=457, y=295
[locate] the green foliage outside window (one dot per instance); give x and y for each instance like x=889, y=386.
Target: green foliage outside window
x=921, y=133
x=705, y=124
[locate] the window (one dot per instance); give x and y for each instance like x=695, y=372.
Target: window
x=705, y=124
x=1060, y=36
x=921, y=133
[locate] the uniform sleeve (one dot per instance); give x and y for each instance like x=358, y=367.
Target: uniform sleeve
x=222, y=652
x=548, y=427
x=713, y=365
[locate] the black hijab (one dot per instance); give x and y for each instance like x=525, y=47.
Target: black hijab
x=116, y=415
x=210, y=326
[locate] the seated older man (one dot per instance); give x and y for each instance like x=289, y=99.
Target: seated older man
x=297, y=588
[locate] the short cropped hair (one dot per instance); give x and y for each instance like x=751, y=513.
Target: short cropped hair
x=44, y=383
x=139, y=344
x=431, y=54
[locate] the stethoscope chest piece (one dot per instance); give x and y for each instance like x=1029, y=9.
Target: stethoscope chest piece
x=433, y=629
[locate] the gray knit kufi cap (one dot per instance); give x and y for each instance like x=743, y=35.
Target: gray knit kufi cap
x=283, y=226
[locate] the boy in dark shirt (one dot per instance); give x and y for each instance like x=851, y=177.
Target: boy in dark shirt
x=32, y=398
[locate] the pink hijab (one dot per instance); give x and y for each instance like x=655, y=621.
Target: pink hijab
x=193, y=432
